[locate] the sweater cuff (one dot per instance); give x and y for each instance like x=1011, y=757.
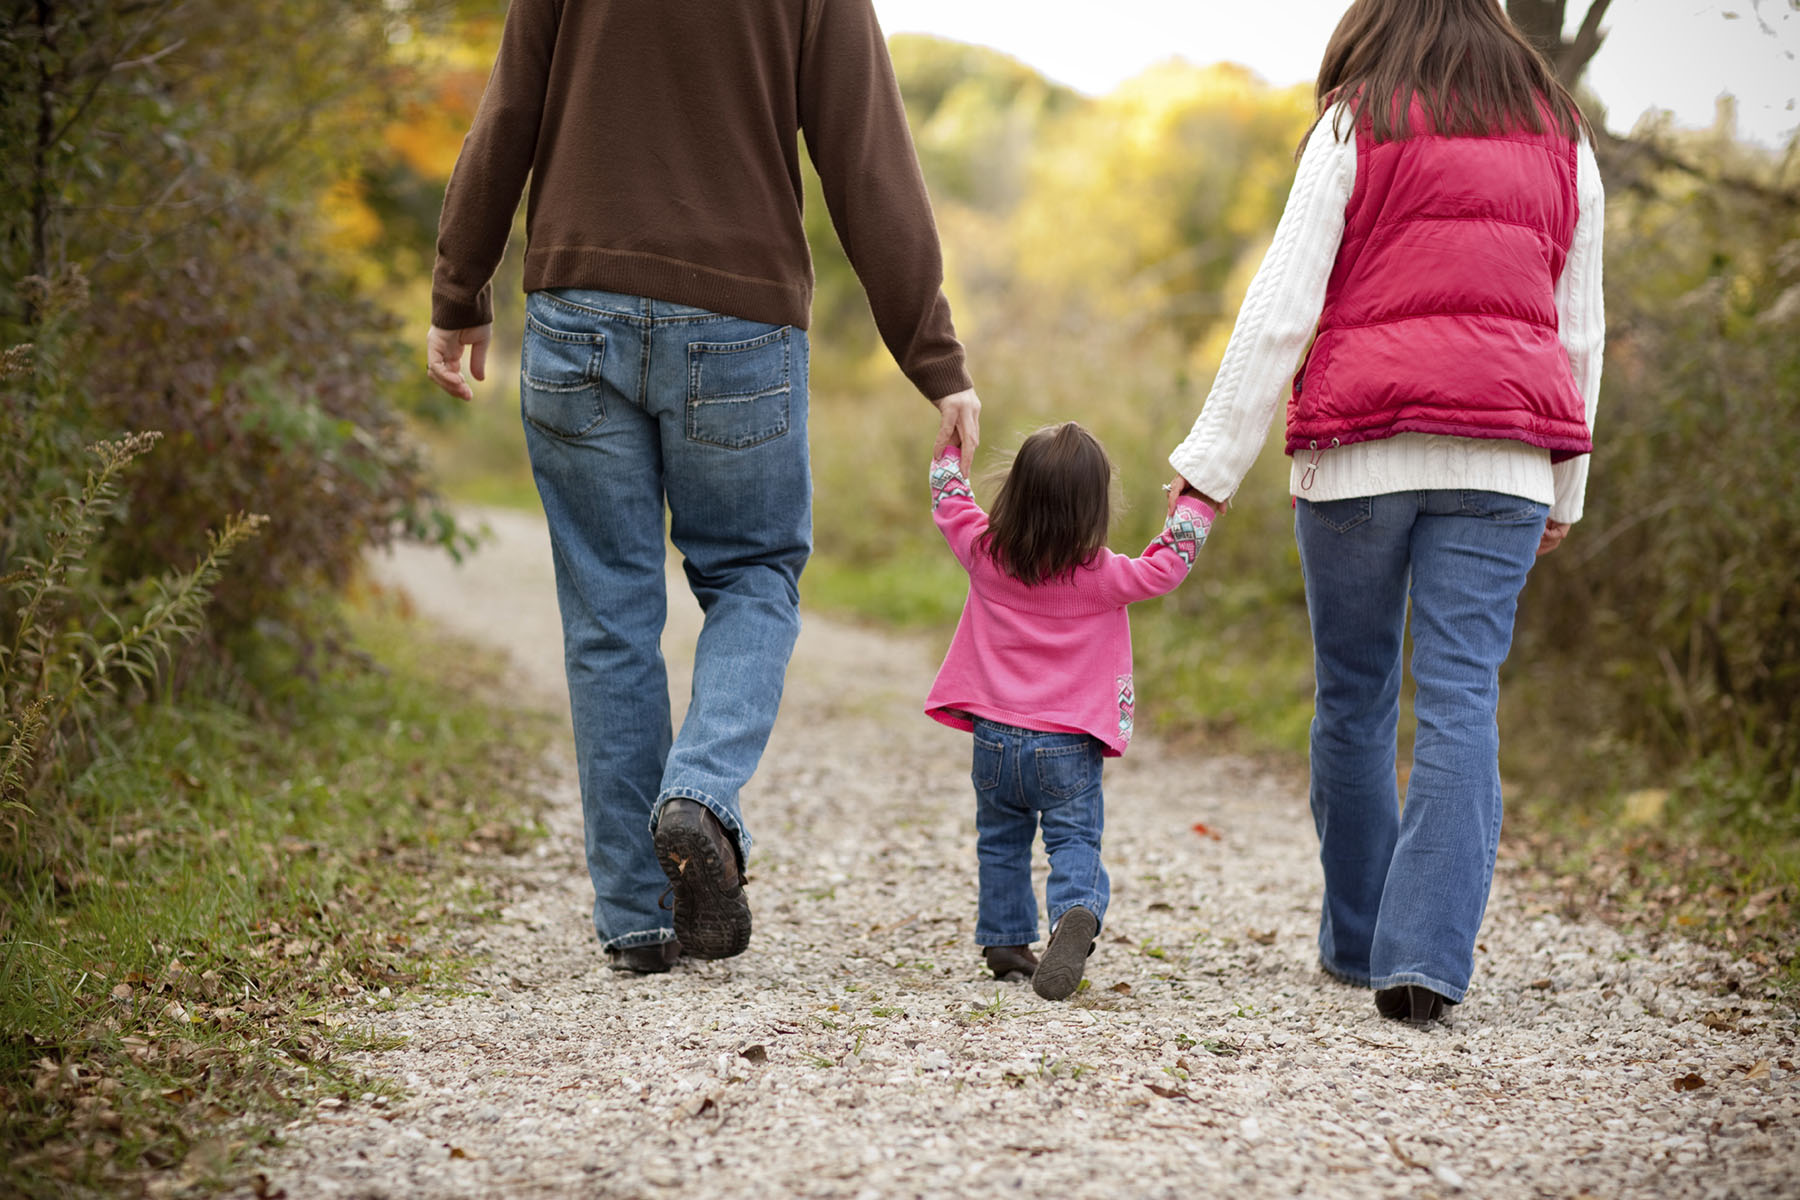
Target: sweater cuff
x=943, y=378
x=450, y=313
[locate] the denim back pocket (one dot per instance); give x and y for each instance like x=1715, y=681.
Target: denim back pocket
x=738, y=392
x=1064, y=772
x=988, y=758
x=1341, y=516
x=559, y=370
x=1501, y=508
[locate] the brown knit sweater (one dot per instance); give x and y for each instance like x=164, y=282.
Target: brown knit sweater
x=659, y=137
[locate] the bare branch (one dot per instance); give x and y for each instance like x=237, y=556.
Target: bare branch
x=1577, y=54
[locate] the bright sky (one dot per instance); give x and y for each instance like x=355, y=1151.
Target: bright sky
x=1673, y=54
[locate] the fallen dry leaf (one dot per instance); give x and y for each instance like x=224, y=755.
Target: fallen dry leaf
x=1688, y=1083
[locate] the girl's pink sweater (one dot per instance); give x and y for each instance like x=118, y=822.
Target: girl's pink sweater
x=1053, y=656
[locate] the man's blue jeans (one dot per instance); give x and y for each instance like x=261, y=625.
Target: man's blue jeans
x=1405, y=890
x=628, y=403
x=1024, y=779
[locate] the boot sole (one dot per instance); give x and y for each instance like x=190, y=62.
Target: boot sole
x=710, y=921
x=1064, y=962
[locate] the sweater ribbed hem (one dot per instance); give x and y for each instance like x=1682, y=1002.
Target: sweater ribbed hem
x=659, y=278
x=1418, y=462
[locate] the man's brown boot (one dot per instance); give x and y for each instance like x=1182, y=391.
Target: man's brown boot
x=712, y=914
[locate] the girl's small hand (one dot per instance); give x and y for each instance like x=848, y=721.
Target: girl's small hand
x=1179, y=487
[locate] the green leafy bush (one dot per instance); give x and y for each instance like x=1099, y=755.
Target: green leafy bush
x=75, y=645
x=1661, y=645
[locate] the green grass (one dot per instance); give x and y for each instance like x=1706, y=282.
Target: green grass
x=229, y=889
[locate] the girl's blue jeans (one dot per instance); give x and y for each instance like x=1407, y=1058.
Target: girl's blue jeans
x=1405, y=888
x=648, y=419
x=1026, y=780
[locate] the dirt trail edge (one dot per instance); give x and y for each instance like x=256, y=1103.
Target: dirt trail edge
x=857, y=1050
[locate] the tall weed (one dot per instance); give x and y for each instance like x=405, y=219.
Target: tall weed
x=75, y=645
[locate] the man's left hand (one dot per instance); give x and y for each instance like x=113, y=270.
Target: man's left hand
x=443, y=357
x=960, y=424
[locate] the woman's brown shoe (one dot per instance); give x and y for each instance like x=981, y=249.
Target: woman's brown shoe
x=1010, y=964
x=653, y=959
x=1410, y=1003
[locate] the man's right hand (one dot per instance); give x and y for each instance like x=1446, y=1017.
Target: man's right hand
x=444, y=352
x=960, y=424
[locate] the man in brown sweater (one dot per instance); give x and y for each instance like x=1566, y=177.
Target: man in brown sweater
x=665, y=362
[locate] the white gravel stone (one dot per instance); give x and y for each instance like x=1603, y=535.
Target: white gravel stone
x=1230, y=1064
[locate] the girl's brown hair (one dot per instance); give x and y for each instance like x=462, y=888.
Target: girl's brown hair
x=1052, y=512
x=1469, y=66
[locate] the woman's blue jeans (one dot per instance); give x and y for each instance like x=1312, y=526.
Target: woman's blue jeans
x=629, y=404
x=1405, y=889
x=1025, y=780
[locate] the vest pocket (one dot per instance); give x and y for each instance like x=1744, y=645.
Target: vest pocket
x=559, y=372
x=738, y=392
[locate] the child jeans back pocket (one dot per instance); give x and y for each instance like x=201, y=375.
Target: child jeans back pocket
x=738, y=392
x=1064, y=772
x=559, y=373
x=989, y=758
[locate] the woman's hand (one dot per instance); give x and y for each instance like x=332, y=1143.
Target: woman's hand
x=1179, y=487
x=1554, y=533
x=443, y=357
x=960, y=424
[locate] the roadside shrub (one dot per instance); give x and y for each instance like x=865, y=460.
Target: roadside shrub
x=76, y=646
x=1663, y=642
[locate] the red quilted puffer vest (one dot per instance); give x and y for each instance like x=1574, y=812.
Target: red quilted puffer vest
x=1440, y=316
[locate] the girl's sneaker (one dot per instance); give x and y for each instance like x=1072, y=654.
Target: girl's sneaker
x=1065, y=958
x=1010, y=964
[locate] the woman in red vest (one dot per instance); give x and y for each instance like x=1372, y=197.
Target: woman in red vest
x=1440, y=250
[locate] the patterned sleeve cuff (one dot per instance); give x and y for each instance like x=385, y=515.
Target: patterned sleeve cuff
x=1186, y=529
x=947, y=479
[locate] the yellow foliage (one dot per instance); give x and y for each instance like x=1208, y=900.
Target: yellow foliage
x=350, y=224
x=1142, y=199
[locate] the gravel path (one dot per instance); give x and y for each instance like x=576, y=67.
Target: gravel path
x=857, y=1050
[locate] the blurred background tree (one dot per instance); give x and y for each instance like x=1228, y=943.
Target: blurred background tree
x=189, y=244
x=253, y=226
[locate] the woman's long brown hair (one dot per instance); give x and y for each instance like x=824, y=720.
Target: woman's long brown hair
x=1052, y=512
x=1471, y=69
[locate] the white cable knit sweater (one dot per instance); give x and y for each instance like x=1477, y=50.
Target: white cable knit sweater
x=1278, y=317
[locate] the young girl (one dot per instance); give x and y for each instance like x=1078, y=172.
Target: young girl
x=1441, y=251
x=1040, y=671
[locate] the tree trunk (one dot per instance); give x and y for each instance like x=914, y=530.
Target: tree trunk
x=1541, y=21
x=40, y=159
